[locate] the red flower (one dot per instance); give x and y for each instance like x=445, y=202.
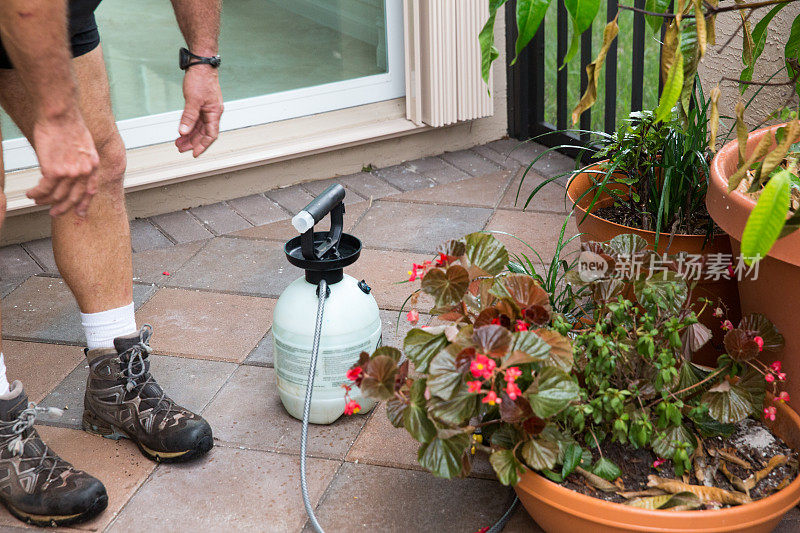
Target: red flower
x=776, y=366
x=727, y=325
x=165, y=273
x=782, y=376
x=783, y=397
x=482, y=366
x=346, y=387
x=413, y=316
x=521, y=326
x=658, y=462
x=496, y=322
x=513, y=390
x=769, y=412
x=770, y=377
x=443, y=259
x=491, y=398
x=354, y=373
x=513, y=373
x=718, y=312
x=474, y=386
x=731, y=272
x=351, y=408
x=760, y=342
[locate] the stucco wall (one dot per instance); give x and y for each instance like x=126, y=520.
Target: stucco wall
x=723, y=61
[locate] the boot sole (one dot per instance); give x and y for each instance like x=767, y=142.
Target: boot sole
x=97, y=506
x=95, y=426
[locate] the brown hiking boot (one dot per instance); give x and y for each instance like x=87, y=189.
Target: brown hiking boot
x=124, y=401
x=36, y=485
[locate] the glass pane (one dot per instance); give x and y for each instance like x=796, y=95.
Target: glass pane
x=267, y=46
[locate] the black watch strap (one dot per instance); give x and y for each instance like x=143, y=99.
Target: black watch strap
x=187, y=59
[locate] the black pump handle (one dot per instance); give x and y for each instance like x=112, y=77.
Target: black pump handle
x=331, y=200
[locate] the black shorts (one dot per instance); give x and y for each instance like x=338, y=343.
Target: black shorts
x=83, y=34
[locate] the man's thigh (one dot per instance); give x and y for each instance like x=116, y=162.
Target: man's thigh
x=94, y=99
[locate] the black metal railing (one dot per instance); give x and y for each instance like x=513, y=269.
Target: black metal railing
x=541, y=95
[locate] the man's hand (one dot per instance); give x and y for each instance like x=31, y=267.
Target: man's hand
x=199, y=125
x=68, y=161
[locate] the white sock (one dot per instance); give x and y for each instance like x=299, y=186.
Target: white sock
x=102, y=328
x=4, y=386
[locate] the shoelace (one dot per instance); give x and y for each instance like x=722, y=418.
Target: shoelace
x=136, y=369
x=16, y=439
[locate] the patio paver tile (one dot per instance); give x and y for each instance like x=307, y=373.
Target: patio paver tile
x=248, y=412
x=149, y=266
x=232, y=490
x=374, y=498
x=145, y=236
x=262, y=354
x=371, y=448
x=471, y=162
x=383, y=271
x=486, y=151
x=206, y=325
x=520, y=151
x=438, y=169
x=540, y=230
x=192, y=383
x=7, y=285
x=417, y=227
x=483, y=191
x=367, y=185
x=220, y=218
x=43, y=309
x=551, y=197
x=403, y=178
x=42, y=251
x=293, y=198
x=283, y=230
x=118, y=464
x=15, y=262
x=258, y=209
x=237, y=265
x=522, y=522
x=40, y=366
x=181, y=227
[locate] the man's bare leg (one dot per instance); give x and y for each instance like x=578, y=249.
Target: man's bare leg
x=93, y=254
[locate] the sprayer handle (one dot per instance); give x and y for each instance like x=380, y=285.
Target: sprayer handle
x=331, y=200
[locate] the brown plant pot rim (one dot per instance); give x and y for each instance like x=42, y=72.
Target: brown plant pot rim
x=586, y=511
x=731, y=210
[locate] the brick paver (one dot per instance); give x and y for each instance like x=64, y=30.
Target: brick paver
x=212, y=315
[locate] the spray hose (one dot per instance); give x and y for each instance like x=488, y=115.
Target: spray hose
x=323, y=292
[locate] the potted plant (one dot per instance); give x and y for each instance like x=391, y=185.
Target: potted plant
x=619, y=424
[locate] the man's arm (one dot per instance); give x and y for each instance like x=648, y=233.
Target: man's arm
x=34, y=33
x=199, y=23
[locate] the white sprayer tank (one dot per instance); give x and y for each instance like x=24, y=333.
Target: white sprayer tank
x=351, y=325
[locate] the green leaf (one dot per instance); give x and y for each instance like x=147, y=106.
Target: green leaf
x=456, y=410
x=664, y=291
x=606, y=469
x=758, y=324
x=540, y=453
x=740, y=346
x=664, y=444
x=444, y=379
x=443, y=456
x=507, y=467
x=447, y=287
x=792, y=50
x=421, y=346
x=492, y=340
x=672, y=88
x=415, y=418
x=572, y=458
x=728, y=403
x=489, y=51
x=485, y=252
x=690, y=52
x=529, y=15
x=626, y=245
x=708, y=427
x=389, y=351
x=655, y=6
x=767, y=218
x=582, y=13
x=506, y=436
x=551, y=392
x=395, y=407
x=527, y=347
x=759, y=40
x=378, y=381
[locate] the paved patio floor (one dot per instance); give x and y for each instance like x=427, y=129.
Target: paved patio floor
x=207, y=279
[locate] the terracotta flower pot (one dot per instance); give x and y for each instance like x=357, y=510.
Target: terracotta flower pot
x=558, y=509
x=595, y=228
x=776, y=290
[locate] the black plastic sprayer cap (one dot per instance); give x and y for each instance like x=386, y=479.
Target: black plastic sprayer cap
x=323, y=254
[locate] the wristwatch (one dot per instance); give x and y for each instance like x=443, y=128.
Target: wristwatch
x=187, y=59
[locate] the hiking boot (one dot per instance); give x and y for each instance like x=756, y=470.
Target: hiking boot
x=124, y=401
x=36, y=485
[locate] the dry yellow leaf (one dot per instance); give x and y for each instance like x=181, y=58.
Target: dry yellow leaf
x=733, y=458
x=713, y=121
x=593, y=71
x=700, y=21
x=668, y=49
x=706, y=494
x=741, y=133
x=775, y=157
x=596, y=481
x=774, y=462
x=761, y=150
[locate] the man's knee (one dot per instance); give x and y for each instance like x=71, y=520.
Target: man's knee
x=113, y=161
